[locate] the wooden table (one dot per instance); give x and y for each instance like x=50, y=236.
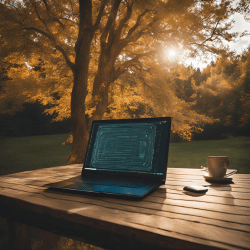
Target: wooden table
x=167, y=218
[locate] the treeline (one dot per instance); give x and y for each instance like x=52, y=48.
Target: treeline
x=221, y=91
x=31, y=120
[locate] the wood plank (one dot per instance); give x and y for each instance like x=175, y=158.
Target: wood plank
x=200, y=174
x=194, y=170
x=197, y=179
x=152, y=206
x=218, y=193
x=200, y=198
x=176, y=189
x=226, y=187
x=161, y=192
x=79, y=213
x=222, y=187
x=139, y=238
x=196, y=229
x=62, y=170
x=221, y=202
x=190, y=196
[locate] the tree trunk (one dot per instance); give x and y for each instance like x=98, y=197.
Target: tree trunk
x=104, y=77
x=79, y=91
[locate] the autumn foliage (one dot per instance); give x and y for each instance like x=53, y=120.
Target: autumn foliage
x=104, y=59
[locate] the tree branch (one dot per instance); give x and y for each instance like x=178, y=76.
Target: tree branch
x=46, y=5
x=100, y=14
x=123, y=21
x=41, y=32
x=70, y=64
x=39, y=17
x=131, y=31
x=54, y=18
x=133, y=62
x=68, y=20
x=57, y=46
x=124, y=42
x=110, y=21
x=210, y=37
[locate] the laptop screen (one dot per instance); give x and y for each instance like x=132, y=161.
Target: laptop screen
x=128, y=146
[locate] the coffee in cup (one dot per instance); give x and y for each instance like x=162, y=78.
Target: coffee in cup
x=217, y=166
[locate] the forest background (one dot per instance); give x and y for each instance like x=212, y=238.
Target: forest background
x=148, y=76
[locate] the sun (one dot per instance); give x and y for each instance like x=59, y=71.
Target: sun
x=172, y=53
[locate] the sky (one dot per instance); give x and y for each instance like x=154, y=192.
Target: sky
x=242, y=43
x=240, y=25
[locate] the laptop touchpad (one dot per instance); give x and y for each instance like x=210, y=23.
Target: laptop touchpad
x=87, y=187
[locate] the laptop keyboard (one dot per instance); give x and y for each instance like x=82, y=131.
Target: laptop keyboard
x=117, y=181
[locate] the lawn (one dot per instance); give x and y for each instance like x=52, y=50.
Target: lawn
x=194, y=154
x=33, y=152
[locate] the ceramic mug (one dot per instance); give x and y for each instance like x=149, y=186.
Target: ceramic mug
x=217, y=166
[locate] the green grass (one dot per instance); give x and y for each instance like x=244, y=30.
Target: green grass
x=194, y=154
x=33, y=152
x=19, y=154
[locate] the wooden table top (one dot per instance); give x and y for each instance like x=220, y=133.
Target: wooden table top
x=167, y=218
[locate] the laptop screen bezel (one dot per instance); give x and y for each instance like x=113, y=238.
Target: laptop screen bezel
x=164, y=147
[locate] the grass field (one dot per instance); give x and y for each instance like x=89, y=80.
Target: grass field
x=33, y=152
x=194, y=154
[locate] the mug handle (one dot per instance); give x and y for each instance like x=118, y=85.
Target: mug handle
x=230, y=173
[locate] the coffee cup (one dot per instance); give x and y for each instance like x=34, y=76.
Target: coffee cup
x=217, y=166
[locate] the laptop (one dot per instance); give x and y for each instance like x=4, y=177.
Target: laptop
x=126, y=157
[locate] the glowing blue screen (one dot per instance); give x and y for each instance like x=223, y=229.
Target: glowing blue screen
x=128, y=147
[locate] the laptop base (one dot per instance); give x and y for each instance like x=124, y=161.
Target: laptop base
x=109, y=185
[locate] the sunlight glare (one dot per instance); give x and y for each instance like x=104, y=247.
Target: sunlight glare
x=172, y=53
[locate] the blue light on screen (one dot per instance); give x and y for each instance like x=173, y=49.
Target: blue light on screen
x=126, y=148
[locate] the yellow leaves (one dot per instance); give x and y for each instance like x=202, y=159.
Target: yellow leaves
x=124, y=102
x=62, y=106
x=216, y=85
x=32, y=79
x=158, y=91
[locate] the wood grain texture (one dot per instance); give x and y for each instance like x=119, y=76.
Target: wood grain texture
x=169, y=217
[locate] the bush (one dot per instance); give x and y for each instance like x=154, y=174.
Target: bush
x=31, y=120
x=215, y=131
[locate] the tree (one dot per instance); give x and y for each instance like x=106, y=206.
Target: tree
x=239, y=101
x=96, y=42
x=223, y=93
